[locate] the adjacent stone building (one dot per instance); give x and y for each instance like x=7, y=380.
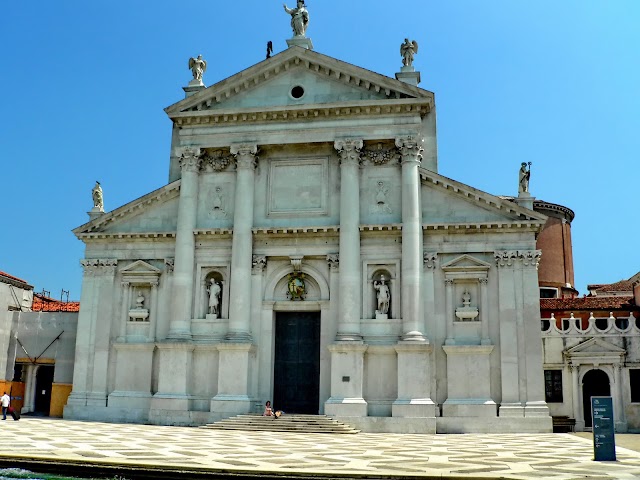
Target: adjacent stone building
x=307, y=251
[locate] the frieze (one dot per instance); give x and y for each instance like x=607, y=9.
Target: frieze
x=530, y=258
x=97, y=267
x=507, y=258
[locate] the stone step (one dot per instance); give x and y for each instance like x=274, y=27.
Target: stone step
x=286, y=423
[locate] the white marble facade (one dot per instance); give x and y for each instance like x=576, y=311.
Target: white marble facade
x=296, y=186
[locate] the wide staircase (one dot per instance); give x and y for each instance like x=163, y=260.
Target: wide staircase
x=296, y=423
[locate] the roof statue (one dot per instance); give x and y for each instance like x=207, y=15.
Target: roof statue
x=198, y=66
x=98, y=200
x=523, y=177
x=299, y=18
x=269, y=48
x=407, y=51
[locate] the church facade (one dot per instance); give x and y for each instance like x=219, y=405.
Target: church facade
x=307, y=251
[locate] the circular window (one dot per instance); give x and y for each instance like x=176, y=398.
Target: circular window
x=297, y=92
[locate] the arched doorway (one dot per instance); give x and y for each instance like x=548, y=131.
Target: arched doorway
x=595, y=383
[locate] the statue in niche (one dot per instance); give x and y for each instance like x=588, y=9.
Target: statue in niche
x=523, y=177
x=407, y=51
x=214, y=291
x=299, y=18
x=98, y=200
x=383, y=295
x=197, y=66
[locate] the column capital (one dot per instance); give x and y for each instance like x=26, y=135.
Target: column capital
x=189, y=158
x=505, y=258
x=169, y=264
x=448, y=282
x=349, y=150
x=258, y=263
x=99, y=267
x=245, y=155
x=530, y=258
x=410, y=147
x=430, y=259
x=333, y=260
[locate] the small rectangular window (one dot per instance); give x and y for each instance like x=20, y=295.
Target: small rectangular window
x=553, y=386
x=547, y=292
x=634, y=383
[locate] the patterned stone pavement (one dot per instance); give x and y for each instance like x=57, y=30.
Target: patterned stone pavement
x=508, y=456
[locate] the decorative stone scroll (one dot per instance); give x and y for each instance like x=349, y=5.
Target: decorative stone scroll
x=379, y=155
x=169, y=265
x=530, y=258
x=430, y=260
x=96, y=267
x=216, y=160
x=349, y=150
x=258, y=264
x=505, y=258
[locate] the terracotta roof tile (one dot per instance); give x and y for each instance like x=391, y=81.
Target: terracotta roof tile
x=55, y=306
x=588, y=303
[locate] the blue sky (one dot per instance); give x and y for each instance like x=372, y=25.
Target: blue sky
x=552, y=82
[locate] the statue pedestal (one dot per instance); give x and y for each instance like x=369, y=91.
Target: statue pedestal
x=408, y=75
x=194, y=87
x=381, y=316
x=525, y=199
x=211, y=317
x=95, y=212
x=303, y=42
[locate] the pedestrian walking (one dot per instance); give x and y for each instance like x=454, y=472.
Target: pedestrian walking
x=4, y=400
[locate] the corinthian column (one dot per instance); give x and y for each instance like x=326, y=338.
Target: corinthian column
x=349, y=274
x=412, y=322
x=180, y=326
x=241, y=247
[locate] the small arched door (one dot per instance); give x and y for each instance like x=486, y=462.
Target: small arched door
x=594, y=384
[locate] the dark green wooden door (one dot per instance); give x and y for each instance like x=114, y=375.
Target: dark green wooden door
x=296, y=376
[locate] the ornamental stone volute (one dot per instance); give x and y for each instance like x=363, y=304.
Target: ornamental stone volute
x=349, y=150
x=430, y=259
x=97, y=267
x=410, y=148
x=245, y=155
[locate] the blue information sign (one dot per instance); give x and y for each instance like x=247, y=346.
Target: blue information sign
x=604, y=444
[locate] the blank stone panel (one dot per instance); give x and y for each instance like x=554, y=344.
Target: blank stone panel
x=298, y=187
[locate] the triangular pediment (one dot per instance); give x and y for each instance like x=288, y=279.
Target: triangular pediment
x=466, y=263
x=154, y=213
x=446, y=202
x=324, y=81
x=595, y=346
x=140, y=267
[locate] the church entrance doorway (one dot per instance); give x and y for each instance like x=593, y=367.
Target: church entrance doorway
x=594, y=384
x=44, y=382
x=296, y=375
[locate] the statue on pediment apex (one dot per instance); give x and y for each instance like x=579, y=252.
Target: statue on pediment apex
x=197, y=66
x=407, y=51
x=299, y=18
x=98, y=199
x=523, y=177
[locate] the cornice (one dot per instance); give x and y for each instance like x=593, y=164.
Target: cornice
x=124, y=236
x=360, y=108
x=482, y=226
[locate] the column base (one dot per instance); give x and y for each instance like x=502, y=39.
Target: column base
x=413, y=407
x=170, y=401
x=349, y=337
x=225, y=406
x=96, y=399
x=77, y=399
x=345, y=407
x=239, y=337
x=469, y=407
x=536, y=409
x=414, y=337
x=511, y=410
